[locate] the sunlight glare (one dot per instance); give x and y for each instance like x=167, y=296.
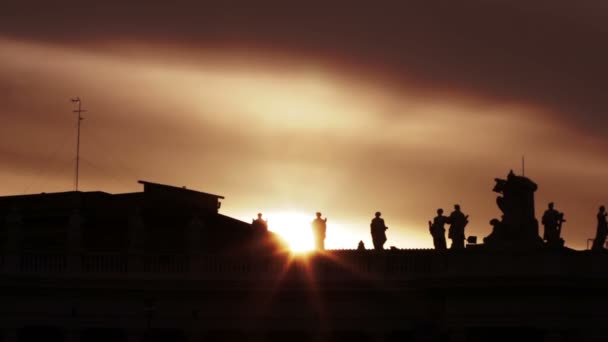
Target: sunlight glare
x=295, y=228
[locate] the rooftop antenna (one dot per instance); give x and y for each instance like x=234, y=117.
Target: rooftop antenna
x=523, y=165
x=79, y=111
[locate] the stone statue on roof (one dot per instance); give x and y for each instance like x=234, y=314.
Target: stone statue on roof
x=518, y=227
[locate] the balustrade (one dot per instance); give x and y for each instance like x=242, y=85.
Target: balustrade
x=105, y=263
x=405, y=264
x=166, y=263
x=43, y=263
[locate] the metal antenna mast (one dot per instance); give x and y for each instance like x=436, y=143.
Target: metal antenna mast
x=79, y=111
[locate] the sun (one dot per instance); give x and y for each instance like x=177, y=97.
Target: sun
x=294, y=228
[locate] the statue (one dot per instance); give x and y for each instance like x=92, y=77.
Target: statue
x=319, y=228
x=498, y=231
x=378, y=230
x=602, y=230
x=552, y=221
x=361, y=246
x=518, y=227
x=458, y=221
x=437, y=230
x=259, y=224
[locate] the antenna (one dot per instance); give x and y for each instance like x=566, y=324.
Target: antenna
x=79, y=111
x=523, y=165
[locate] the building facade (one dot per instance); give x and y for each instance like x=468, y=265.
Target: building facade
x=165, y=265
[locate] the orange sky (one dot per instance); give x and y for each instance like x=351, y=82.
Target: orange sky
x=343, y=108
x=295, y=135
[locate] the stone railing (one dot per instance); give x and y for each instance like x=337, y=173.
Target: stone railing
x=42, y=263
x=105, y=263
x=329, y=265
x=166, y=263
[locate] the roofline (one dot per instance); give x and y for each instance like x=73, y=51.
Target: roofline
x=178, y=188
x=57, y=193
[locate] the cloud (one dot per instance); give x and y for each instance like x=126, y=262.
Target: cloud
x=348, y=109
x=547, y=54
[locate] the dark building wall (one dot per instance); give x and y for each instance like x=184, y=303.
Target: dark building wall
x=167, y=220
x=163, y=264
x=329, y=295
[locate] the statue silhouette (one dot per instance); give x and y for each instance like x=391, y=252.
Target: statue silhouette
x=602, y=230
x=498, y=231
x=259, y=224
x=319, y=228
x=458, y=221
x=361, y=246
x=552, y=221
x=518, y=227
x=378, y=230
x=438, y=231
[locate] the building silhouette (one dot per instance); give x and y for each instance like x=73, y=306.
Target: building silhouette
x=164, y=265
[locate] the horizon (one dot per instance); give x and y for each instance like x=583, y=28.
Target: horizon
x=294, y=226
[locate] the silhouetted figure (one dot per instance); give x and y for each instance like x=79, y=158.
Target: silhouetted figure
x=319, y=228
x=518, y=227
x=552, y=221
x=498, y=231
x=458, y=221
x=437, y=230
x=361, y=246
x=259, y=224
x=602, y=230
x=378, y=230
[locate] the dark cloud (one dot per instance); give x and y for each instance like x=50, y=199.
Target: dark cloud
x=547, y=54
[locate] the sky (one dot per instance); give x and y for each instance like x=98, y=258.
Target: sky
x=289, y=108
